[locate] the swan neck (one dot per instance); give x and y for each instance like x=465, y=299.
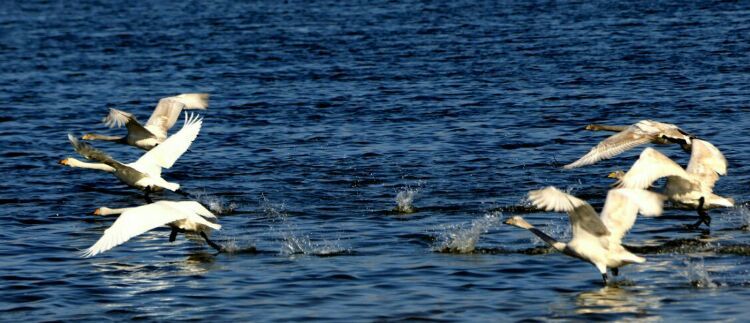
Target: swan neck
x=72, y=162
x=93, y=136
x=601, y=127
x=108, y=211
x=552, y=242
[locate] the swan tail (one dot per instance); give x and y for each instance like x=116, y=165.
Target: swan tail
x=721, y=201
x=630, y=258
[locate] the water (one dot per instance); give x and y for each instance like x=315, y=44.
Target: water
x=321, y=112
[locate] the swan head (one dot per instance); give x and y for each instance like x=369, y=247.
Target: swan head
x=103, y=211
x=66, y=161
x=88, y=136
x=518, y=221
x=618, y=174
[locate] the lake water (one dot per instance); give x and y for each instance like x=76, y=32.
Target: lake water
x=322, y=113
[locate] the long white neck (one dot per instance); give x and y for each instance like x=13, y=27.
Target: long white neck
x=108, y=211
x=72, y=162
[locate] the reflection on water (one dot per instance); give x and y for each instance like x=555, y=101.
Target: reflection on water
x=616, y=300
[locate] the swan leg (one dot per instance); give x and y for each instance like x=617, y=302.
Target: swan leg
x=214, y=245
x=148, y=198
x=181, y=192
x=703, y=216
x=605, y=279
x=173, y=234
x=615, y=271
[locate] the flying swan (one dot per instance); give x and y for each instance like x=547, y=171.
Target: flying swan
x=596, y=240
x=185, y=216
x=144, y=173
x=154, y=132
x=643, y=132
x=691, y=187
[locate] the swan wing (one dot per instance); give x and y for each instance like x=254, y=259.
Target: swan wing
x=165, y=154
x=581, y=214
x=168, y=109
x=613, y=146
x=623, y=205
x=649, y=167
x=118, y=118
x=89, y=152
x=194, y=207
x=134, y=222
x=707, y=162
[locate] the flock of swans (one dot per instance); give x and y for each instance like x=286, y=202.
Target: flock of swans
x=596, y=238
x=162, y=151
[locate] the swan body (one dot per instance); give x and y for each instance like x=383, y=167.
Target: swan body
x=596, y=239
x=643, y=132
x=154, y=132
x=185, y=216
x=144, y=173
x=684, y=186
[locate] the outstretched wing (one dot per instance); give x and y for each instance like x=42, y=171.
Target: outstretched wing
x=117, y=118
x=649, y=167
x=581, y=214
x=707, y=162
x=133, y=222
x=168, y=109
x=165, y=154
x=623, y=205
x=613, y=146
x=89, y=152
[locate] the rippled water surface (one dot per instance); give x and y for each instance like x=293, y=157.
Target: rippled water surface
x=327, y=118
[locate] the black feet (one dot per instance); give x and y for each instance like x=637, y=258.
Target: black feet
x=181, y=192
x=615, y=271
x=218, y=247
x=173, y=235
x=605, y=279
x=148, y=191
x=703, y=216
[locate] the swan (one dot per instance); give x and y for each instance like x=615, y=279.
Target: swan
x=183, y=216
x=597, y=240
x=643, y=132
x=154, y=132
x=691, y=187
x=144, y=173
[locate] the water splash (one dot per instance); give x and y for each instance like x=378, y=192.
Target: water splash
x=697, y=274
x=405, y=200
x=462, y=239
x=216, y=204
x=272, y=210
x=293, y=240
x=296, y=243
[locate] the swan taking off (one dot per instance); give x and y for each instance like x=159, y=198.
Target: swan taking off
x=185, y=216
x=144, y=173
x=596, y=240
x=643, y=132
x=154, y=132
x=692, y=187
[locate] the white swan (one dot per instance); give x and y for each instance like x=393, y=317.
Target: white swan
x=643, y=132
x=144, y=173
x=596, y=240
x=185, y=216
x=692, y=187
x=154, y=132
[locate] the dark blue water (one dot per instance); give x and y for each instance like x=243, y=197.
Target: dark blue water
x=322, y=112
